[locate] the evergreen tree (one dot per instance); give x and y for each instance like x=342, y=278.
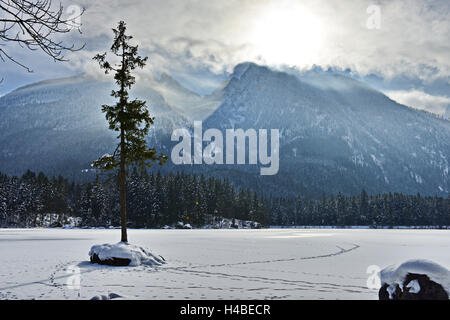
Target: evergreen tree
x=130, y=118
x=364, y=204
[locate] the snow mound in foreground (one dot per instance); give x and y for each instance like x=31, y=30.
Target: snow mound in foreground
x=396, y=275
x=122, y=250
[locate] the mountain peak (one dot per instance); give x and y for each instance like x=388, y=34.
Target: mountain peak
x=242, y=68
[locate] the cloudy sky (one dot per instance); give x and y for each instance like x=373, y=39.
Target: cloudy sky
x=399, y=46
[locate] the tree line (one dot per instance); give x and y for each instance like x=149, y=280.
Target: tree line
x=156, y=200
x=383, y=210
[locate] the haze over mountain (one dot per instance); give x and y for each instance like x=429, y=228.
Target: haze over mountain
x=337, y=134
x=57, y=126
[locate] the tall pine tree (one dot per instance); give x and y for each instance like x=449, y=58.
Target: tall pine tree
x=130, y=118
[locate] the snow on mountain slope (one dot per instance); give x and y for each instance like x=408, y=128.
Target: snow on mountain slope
x=337, y=133
x=57, y=126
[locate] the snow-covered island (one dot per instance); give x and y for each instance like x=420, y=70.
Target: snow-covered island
x=123, y=254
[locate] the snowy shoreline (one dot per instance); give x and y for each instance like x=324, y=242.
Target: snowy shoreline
x=263, y=228
x=365, y=227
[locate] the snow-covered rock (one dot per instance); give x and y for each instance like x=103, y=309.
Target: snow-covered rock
x=123, y=254
x=415, y=279
x=179, y=225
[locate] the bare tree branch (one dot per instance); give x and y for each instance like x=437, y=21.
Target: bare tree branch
x=35, y=25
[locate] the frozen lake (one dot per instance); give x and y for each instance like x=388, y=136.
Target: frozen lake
x=211, y=264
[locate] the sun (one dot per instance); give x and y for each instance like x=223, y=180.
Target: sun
x=287, y=35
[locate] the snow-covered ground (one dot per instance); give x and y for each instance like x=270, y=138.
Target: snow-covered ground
x=212, y=264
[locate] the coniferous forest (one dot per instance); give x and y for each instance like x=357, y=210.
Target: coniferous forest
x=156, y=200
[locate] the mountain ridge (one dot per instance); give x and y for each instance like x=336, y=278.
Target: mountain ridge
x=337, y=134
x=351, y=128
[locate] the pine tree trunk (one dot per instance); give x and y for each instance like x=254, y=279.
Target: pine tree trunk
x=123, y=188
